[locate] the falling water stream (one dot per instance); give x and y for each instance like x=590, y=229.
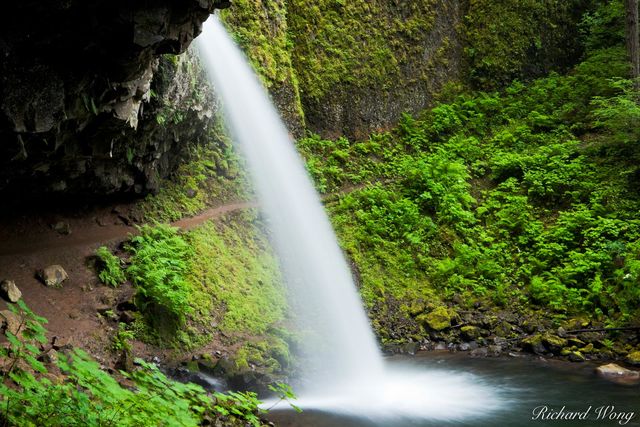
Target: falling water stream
x=346, y=372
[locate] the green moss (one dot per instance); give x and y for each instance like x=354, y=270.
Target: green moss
x=438, y=319
x=470, y=332
x=261, y=29
x=515, y=39
x=357, y=43
x=634, y=357
x=210, y=177
x=234, y=263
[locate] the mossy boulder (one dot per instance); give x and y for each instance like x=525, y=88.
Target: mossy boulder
x=534, y=344
x=634, y=358
x=470, y=332
x=554, y=343
x=438, y=319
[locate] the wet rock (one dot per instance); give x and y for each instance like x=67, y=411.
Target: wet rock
x=618, y=374
x=554, y=343
x=125, y=361
x=439, y=346
x=494, y=350
x=10, y=291
x=464, y=346
x=575, y=341
x=634, y=358
x=534, y=344
x=53, y=275
x=470, y=332
x=576, y=356
x=480, y=352
x=62, y=227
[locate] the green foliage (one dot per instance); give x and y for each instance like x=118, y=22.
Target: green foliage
x=526, y=196
x=121, y=341
x=159, y=265
x=110, y=267
x=285, y=392
x=619, y=115
x=244, y=405
x=87, y=396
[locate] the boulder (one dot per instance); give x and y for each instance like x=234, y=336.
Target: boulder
x=53, y=275
x=634, y=358
x=618, y=374
x=470, y=332
x=437, y=319
x=534, y=344
x=10, y=291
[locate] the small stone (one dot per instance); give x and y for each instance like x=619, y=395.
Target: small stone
x=618, y=374
x=61, y=343
x=50, y=356
x=10, y=291
x=62, y=227
x=562, y=332
x=464, y=346
x=494, y=350
x=53, y=275
x=10, y=321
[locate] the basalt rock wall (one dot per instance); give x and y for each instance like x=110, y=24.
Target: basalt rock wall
x=84, y=90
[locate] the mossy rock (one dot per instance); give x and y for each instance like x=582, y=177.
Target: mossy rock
x=587, y=349
x=554, y=343
x=470, y=332
x=634, y=358
x=534, y=344
x=576, y=356
x=416, y=307
x=438, y=319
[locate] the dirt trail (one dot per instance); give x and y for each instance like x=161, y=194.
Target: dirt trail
x=30, y=243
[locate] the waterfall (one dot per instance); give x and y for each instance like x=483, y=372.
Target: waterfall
x=346, y=369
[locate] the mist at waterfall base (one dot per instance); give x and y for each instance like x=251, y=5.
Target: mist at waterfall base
x=344, y=369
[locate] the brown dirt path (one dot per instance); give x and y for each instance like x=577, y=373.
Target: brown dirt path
x=29, y=243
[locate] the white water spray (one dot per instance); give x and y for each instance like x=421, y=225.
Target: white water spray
x=347, y=372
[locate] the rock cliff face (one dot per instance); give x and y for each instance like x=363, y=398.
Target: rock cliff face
x=83, y=92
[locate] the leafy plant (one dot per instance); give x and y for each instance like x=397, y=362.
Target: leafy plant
x=159, y=264
x=110, y=266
